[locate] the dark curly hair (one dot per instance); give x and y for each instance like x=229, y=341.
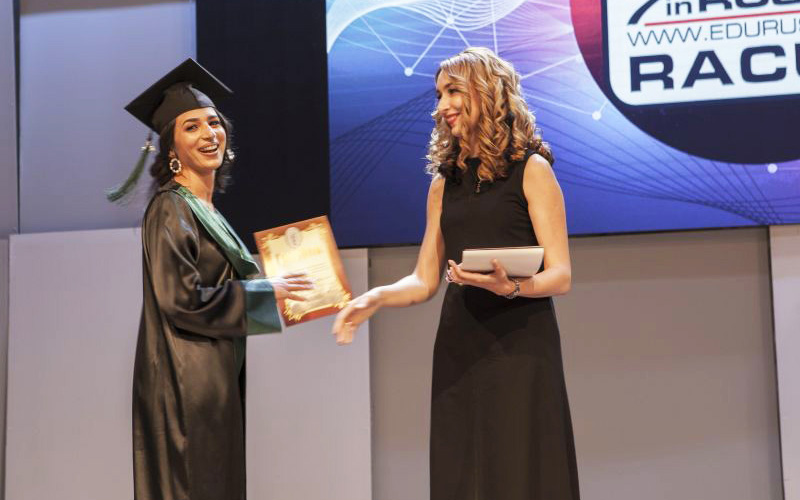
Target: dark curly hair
x=161, y=173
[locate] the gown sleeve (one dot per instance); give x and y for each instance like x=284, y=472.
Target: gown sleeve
x=226, y=309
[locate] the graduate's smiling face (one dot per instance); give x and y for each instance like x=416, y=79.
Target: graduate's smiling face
x=200, y=139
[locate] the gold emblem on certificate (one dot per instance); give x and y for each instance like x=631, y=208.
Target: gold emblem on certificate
x=306, y=247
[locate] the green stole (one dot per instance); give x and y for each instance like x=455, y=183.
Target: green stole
x=219, y=229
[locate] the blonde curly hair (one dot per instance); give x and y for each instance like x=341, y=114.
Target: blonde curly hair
x=505, y=130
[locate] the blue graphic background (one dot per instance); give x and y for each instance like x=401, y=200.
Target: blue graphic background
x=382, y=58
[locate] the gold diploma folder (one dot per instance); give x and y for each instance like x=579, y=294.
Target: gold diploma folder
x=306, y=247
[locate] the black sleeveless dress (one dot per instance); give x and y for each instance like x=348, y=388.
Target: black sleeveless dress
x=500, y=420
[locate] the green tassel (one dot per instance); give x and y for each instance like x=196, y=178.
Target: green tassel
x=122, y=191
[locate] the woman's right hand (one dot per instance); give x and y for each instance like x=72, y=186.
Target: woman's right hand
x=287, y=286
x=354, y=313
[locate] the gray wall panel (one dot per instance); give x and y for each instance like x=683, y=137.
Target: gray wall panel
x=71, y=349
x=72, y=345
x=308, y=409
x=668, y=351
x=668, y=347
x=80, y=67
x=4, y=272
x=785, y=251
x=401, y=343
x=8, y=125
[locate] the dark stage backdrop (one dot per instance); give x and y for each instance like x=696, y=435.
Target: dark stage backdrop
x=272, y=54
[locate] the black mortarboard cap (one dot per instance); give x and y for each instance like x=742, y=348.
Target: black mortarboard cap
x=189, y=86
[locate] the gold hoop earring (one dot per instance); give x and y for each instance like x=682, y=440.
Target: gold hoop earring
x=172, y=166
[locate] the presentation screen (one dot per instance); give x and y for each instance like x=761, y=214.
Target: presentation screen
x=662, y=114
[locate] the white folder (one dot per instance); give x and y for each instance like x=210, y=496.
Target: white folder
x=519, y=262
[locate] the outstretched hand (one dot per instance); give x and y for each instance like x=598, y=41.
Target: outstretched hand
x=496, y=281
x=354, y=313
x=287, y=286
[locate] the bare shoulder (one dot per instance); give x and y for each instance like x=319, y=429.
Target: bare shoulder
x=539, y=181
x=437, y=183
x=435, y=194
x=436, y=189
x=537, y=168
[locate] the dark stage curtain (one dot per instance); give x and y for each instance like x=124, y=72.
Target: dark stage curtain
x=272, y=54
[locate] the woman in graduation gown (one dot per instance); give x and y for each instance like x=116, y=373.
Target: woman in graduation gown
x=201, y=300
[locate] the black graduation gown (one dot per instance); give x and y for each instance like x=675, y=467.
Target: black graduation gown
x=188, y=382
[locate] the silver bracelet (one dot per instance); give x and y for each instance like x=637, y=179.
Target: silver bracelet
x=513, y=295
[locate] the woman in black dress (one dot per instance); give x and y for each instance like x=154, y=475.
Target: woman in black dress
x=201, y=299
x=500, y=421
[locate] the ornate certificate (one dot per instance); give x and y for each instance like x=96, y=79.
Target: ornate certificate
x=306, y=247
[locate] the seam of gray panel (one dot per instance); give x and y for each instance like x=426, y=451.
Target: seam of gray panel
x=16, y=15
x=3, y=429
x=3, y=454
x=775, y=359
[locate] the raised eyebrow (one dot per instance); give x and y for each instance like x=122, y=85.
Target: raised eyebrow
x=210, y=117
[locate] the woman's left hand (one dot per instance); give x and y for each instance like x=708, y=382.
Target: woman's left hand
x=496, y=282
x=287, y=286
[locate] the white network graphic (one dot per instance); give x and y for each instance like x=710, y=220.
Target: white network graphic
x=537, y=36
